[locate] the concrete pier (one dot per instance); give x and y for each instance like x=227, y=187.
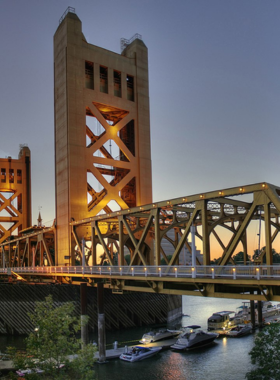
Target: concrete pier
x=260, y=317
x=101, y=324
x=84, y=322
x=252, y=310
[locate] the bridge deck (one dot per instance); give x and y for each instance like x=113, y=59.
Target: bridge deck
x=244, y=281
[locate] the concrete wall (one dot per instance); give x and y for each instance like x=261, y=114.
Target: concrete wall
x=121, y=311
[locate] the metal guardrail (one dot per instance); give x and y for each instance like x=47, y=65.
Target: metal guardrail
x=229, y=272
x=125, y=42
x=69, y=9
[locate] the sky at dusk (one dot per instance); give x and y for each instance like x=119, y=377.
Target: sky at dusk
x=214, y=87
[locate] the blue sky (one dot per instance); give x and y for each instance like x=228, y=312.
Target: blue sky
x=214, y=87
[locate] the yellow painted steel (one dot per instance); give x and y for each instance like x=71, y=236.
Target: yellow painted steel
x=150, y=225
x=15, y=194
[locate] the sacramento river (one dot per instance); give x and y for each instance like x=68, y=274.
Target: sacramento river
x=227, y=359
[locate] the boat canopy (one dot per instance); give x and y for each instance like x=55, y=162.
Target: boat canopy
x=224, y=312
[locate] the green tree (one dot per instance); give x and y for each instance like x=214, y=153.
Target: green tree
x=163, y=262
x=215, y=261
x=239, y=258
x=275, y=255
x=265, y=354
x=127, y=259
x=54, y=344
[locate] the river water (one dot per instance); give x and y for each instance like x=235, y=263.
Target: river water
x=227, y=358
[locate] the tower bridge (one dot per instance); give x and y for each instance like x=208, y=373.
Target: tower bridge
x=105, y=213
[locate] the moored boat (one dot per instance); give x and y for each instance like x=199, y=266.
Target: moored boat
x=240, y=330
x=192, y=338
x=221, y=320
x=268, y=310
x=156, y=336
x=227, y=319
x=138, y=353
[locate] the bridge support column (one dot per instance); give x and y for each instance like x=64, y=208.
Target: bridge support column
x=260, y=317
x=101, y=324
x=93, y=244
x=205, y=234
x=157, y=237
x=84, y=322
x=121, y=245
x=193, y=246
x=252, y=310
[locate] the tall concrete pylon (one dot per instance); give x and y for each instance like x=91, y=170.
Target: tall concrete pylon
x=15, y=194
x=102, y=129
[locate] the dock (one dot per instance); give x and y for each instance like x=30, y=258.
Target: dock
x=7, y=365
x=115, y=353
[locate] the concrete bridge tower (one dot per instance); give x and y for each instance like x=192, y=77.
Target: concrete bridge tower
x=102, y=129
x=15, y=194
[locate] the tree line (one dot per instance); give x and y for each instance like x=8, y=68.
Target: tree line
x=238, y=258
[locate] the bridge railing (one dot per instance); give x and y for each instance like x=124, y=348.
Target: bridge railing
x=181, y=271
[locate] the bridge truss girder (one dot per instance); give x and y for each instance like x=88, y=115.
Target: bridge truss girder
x=143, y=229
x=34, y=249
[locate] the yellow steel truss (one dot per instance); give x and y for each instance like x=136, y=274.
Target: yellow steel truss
x=141, y=231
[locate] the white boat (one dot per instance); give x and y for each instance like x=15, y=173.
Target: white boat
x=192, y=338
x=240, y=330
x=162, y=334
x=221, y=320
x=138, y=353
x=227, y=319
x=268, y=310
